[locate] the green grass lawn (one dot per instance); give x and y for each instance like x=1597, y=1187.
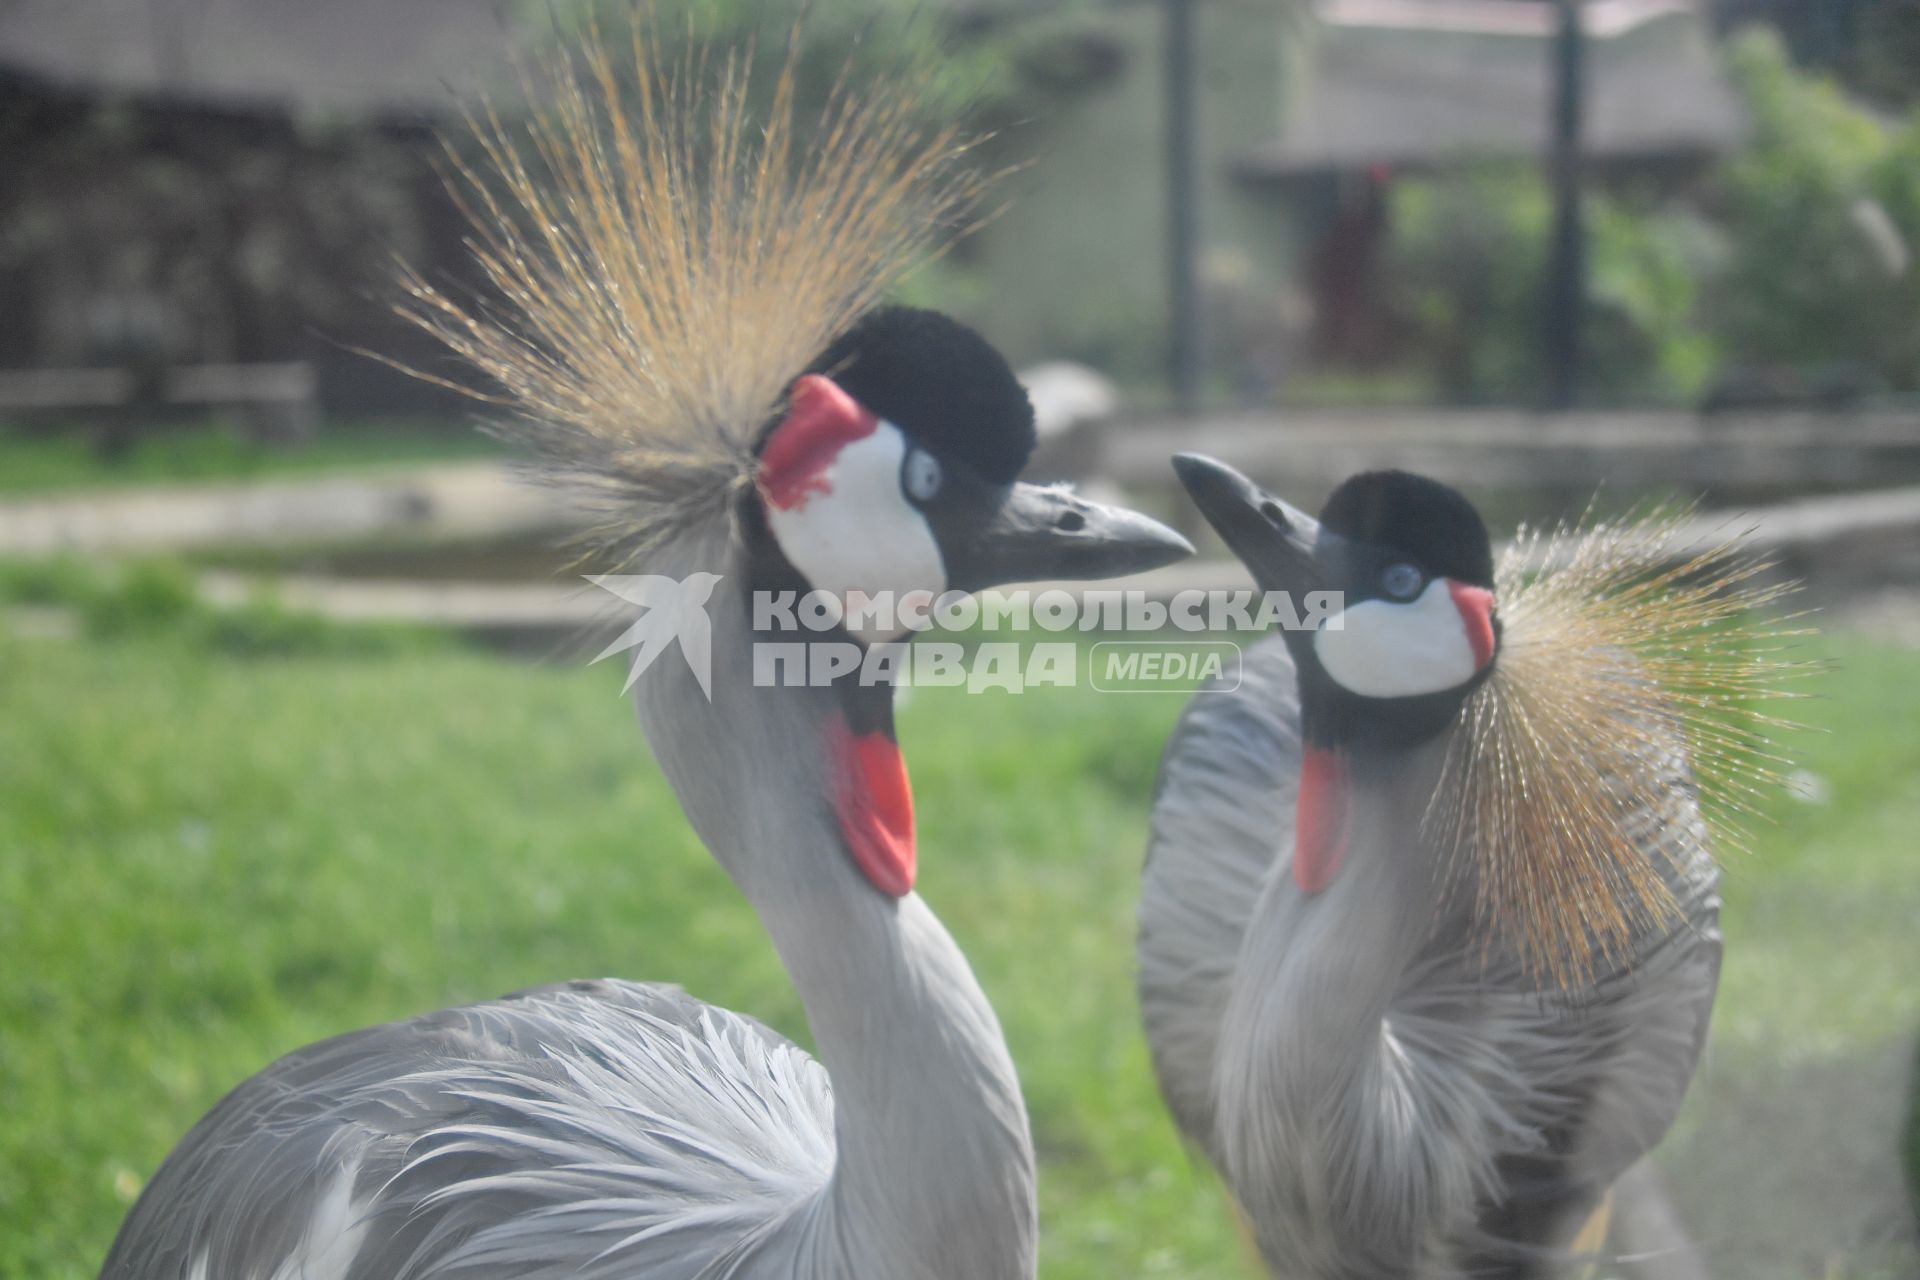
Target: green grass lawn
x=208, y=860
x=56, y=461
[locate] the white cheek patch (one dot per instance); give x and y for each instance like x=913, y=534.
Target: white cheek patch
x=1388, y=650
x=861, y=535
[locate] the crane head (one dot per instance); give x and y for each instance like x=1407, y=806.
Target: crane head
x=893, y=469
x=1413, y=631
x=1622, y=677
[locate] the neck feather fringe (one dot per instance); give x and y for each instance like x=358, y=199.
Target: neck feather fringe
x=664, y=258
x=1630, y=654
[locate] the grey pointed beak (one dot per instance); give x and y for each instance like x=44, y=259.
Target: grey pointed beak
x=1037, y=534
x=1279, y=543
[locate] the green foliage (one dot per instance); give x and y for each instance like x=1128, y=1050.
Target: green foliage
x=1811, y=277
x=1644, y=336
x=265, y=626
x=33, y=462
x=1465, y=266
x=147, y=598
x=1888, y=53
x=1800, y=267
x=159, y=601
x=47, y=581
x=1872, y=45
x=1467, y=262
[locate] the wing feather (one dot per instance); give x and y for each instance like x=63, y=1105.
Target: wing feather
x=585, y=1129
x=1222, y=823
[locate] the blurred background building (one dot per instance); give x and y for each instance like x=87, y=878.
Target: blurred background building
x=228, y=181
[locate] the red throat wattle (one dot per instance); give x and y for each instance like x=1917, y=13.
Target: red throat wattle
x=821, y=420
x=1320, y=820
x=1476, y=614
x=874, y=802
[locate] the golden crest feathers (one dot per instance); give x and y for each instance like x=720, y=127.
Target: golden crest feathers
x=664, y=258
x=1632, y=659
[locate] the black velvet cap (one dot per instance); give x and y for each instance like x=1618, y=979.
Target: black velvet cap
x=1432, y=525
x=941, y=383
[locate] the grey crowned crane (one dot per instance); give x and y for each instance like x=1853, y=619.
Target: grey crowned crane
x=689, y=335
x=1430, y=927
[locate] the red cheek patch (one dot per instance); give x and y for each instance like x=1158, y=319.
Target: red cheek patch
x=1320, y=820
x=821, y=420
x=1476, y=612
x=874, y=802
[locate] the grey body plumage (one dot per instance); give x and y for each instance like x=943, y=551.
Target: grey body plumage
x=1466, y=1103
x=1388, y=1091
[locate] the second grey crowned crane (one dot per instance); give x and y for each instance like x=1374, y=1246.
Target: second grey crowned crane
x=692, y=340
x=1430, y=930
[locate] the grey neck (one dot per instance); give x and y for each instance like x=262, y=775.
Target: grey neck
x=934, y=1172
x=1311, y=1080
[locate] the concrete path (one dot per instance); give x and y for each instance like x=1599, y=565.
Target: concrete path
x=483, y=500
x=1856, y=551
x=431, y=504
x=1846, y=548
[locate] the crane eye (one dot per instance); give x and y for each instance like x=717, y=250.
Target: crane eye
x=1401, y=581
x=920, y=475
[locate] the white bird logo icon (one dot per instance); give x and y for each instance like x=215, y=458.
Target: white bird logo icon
x=671, y=608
